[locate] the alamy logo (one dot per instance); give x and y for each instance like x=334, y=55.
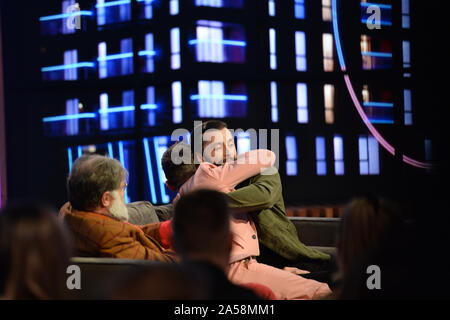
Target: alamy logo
x=374, y=21
x=374, y=280
x=74, y=280
x=74, y=19
x=257, y=139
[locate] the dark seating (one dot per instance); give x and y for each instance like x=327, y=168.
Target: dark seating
x=319, y=232
x=99, y=275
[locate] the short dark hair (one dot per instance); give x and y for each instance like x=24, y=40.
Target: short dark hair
x=205, y=126
x=212, y=124
x=201, y=222
x=91, y=176
x=177, y=174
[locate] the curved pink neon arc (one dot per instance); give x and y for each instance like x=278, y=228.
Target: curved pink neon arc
x=356, y=102
x=375, y=132
x=365, y=119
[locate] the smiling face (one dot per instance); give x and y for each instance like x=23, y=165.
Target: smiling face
x=218, y=146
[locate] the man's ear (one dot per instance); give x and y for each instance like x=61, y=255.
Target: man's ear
x=171, y=187
x=106, y=199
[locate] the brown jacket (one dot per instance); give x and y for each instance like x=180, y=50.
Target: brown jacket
x=96, y=235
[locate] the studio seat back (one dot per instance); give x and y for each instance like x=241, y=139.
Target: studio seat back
x=318, y=233
x=321, y=232
x=99, y=276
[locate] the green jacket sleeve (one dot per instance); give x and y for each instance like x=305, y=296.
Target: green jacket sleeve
x=262, y=193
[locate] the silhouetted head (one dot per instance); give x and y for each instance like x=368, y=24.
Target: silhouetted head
x=202, y=228
x=35, y=248
x=366, y=222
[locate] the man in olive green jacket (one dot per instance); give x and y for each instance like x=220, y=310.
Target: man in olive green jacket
x=262, y=197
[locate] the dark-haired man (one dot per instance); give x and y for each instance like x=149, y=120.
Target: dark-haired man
x=262, y=197
x=242, y=265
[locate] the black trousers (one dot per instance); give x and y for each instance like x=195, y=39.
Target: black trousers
x=320, y=270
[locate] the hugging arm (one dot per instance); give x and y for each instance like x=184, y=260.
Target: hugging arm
x=246, y=165
x=262, y=193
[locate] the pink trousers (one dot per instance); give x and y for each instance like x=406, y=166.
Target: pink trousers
x=285, y=285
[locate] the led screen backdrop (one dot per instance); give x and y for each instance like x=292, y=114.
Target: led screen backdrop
x=117, y=77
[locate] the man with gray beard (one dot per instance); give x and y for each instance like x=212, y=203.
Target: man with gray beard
x=98, y=216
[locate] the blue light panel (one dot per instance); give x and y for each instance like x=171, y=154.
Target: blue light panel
x=66, y=15
x=116, y=56
x=69, y=66
x=291, y=152
x=338, y=144
x=378, y=104
x=177, y=114
x=125, y=165
x=299, y=8
x=117, y=109
x=222, y=42
x=302, y=103
x=110, y=150
x=321, y=164
x=274, y=101
x=69, y=157
x=219, y=97
x=160, y=145
x=148, y=161
x=377, y=54
x=69, y=117
x=300, y=51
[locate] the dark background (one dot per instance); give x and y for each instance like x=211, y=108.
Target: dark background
x=37, y=165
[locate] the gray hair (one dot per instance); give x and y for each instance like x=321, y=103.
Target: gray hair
x=91, y=177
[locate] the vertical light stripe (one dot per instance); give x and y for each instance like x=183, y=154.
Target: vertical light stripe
x=407, y=100
x=101, y=10
x=338, y=145
x=126, y=46
x=125, y=165
x=69, y=158
x=406, y=54
x=151, y=180
x=102, y=64
x=291, y=154
x=271, y=4
x=374, y=158
x=175, y=48
x=327, y=45
x=151, y=118
x=174, y=7
x=300, y=51
x=149, y=46
x=177, y=115
x=159, y=150
x=272, y=49
x=302, y=103
x=104, y=121
x=243, y=142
